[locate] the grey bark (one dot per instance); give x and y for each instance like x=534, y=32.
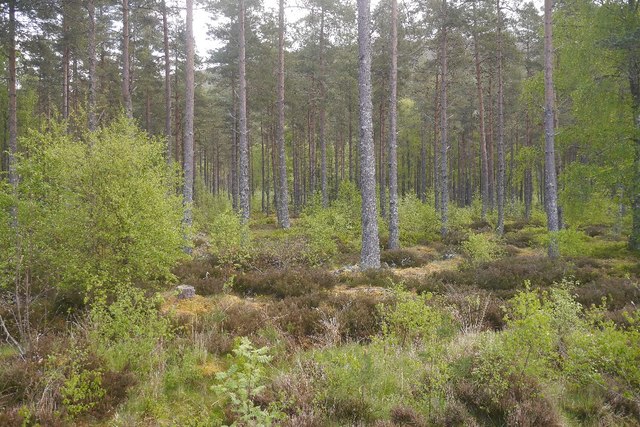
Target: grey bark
x=323, y=142
x=370, y=255
x=126, y=90
x=551, y=196
x=244, y=142
x=394, y=233
x=188, y=153
x=483, y=139
x=283, y=191
x=167, y=80
x=13, y=109
x=65, y=62
x=91, y=108
x=444, y=143
x=501, y=160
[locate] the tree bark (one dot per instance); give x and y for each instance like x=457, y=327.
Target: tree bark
x=483, y=137
x=91, y=108
x=65, y=61
x=244, y=142
x=394, y=233
x=444, y=145
x=13, y=110
x=188, y=152
x=370, y=255
x=283, y=191
x=167, y=80
x=551, y=196
x=126, y=91
x=322, y=116
x=501, y=160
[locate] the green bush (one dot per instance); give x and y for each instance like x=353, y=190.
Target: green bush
x=129, y=332
x=419, y=222
x=97, y=211
x=327, y=230
x=481, y=247
x=243, y=381
x=571, y=242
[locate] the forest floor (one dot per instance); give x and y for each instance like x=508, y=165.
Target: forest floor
x=429, y=339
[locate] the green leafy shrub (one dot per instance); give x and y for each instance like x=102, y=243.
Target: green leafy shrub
x=419, y=222
x=243, y=381
x=229, y=238
x=571, y=242
x=98, y=211
x=129, y=332
x=337, y=227
x=481, y=248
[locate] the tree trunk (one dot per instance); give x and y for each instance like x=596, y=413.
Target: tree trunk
x=188, y=153
x=126, y=91
x=394, y=233
x=483, y=137
x=91, y=108
x=444, y=181
x=501, y=160
x=244, y=143
x=65, y=61
x=551, y=197
x=283, y=190
x=383, y=167
x=634, y=85
x=323, y=142
x=370, y=255
x=167, y=80
x=13, y=111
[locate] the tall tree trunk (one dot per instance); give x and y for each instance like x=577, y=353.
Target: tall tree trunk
x=444, y=145
x=501, y=160
x=244, y=142
x=351, y=174
x=483, y=137
x=370, y=255
x=91, y=108
x=65, y=60
x=383, y=167
x=13, y=110
x=551, y=197
x=283, y=191
x=394, y=233
x=188, y=153
x=323, y=142
x=436, y=135
x=167, y=80
x=634, y=85
x=126, y=79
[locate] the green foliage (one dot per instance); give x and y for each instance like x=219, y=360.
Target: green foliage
x=419, y=222
x=129, y=332
x=229, y=238
x=410, y=319
x=81, y=391
x=571, y=242
x=481, y=247
x=243, y=381
x=97, y=211
x=329, y=229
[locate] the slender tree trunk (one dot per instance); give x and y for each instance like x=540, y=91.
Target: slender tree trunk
x=634, y=84
x=244, y=142
x=323, y=142
x=501, y=160
x=394, y=233
x=167, y=79
x=13, y=111
x=436, y=162
x=283, y=190
x=370, y=255
x=126, y=79
x=91, y=109
x=65, y=61
x=551, y=197
x=483, y=137
x=444, y=145
x=351, y=174
x=188, y=153
x=383, y=167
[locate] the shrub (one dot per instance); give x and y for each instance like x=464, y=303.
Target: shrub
x=244, y=381
x=98, y=213
x=419, y=222
x=229, y=238
x=481, y=248
x=129, y=332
